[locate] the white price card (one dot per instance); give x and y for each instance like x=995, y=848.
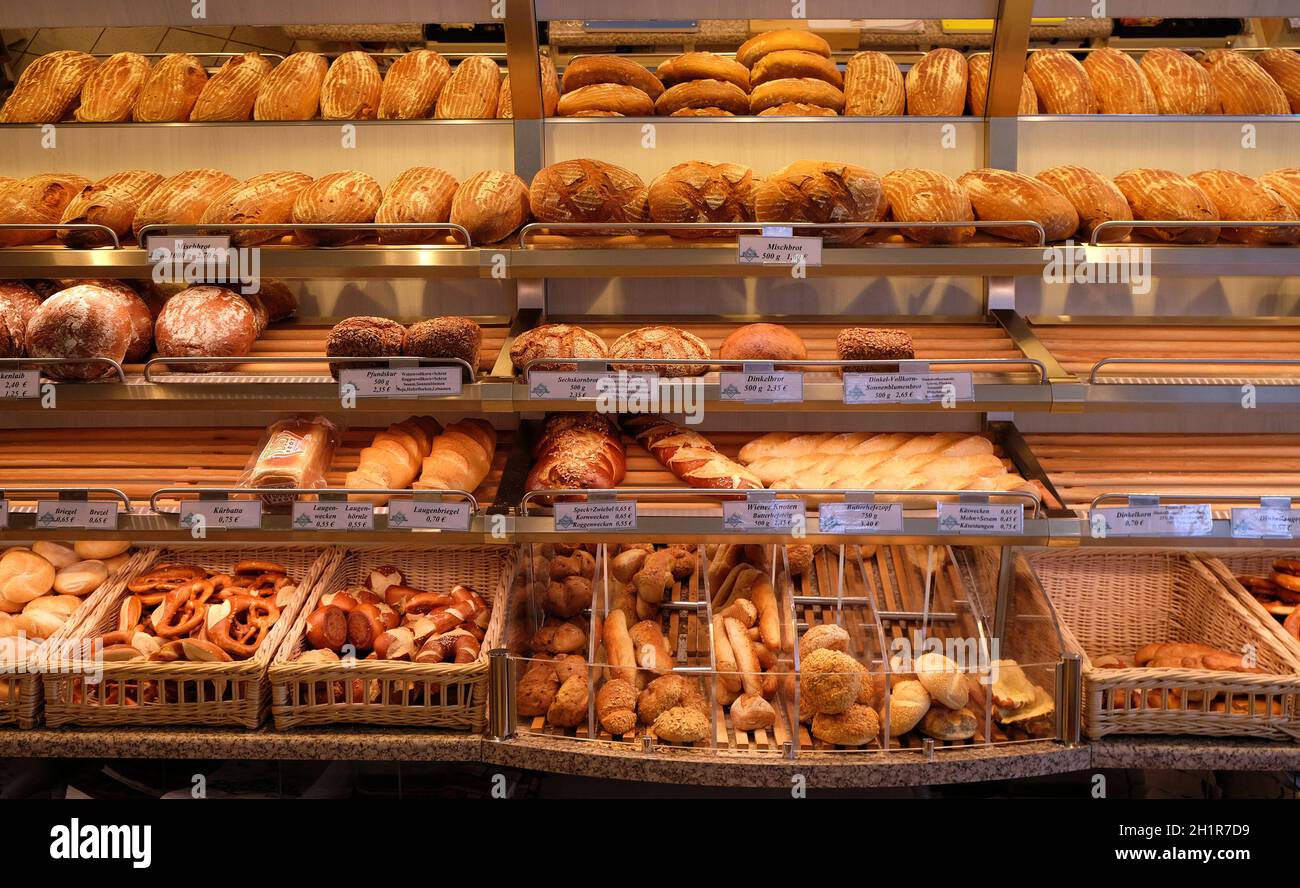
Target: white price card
x=1168, y=520
x=589, y=385
x=19, y=385
x=400, y=382
x=184, y=250
x=860, y=517
x=333, y=515
x=1265, y=523
x=982, y=518
x=907, y=388
x=222, y=514
x=767, y=387
x=612, y=515
x=765, y=249
x=90, y=514
x=406, y=514
x=763, y=516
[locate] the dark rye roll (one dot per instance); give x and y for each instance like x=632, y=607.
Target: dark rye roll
x=448, y=337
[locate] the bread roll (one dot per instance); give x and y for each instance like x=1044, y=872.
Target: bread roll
x=1237, y=196
x=264, y=199
x=814, y=191
x=584, y=190
x=36, y=200
x=702, y=192
x=292, y=90
x=490, y=205
x=171, y=90
x=1160, y=194
x=472, y=91
x=1061, y=83
x=48, y=88
x=703, y=66
x=804, y=90
x=1286, y=182
x=420, y=194
x=1283, y=65
x=550, y=92
x=111, y=89
x=137, y=312
x=81, y=578
x=873, y=86
x=18, y=302
x=927, y=196
x=763, y=342
x=352, y=88
x=556, y=341
x=230, y=93
x=661, y=342
x=1243, y=86
x=98, y=550
x=1118, y=82
x=1001, y=194
x=79, y=322
x=936, y=85
x=205, y=322
x=609, y=69
x=785, y=63
x=24, y=576
x=412, y=85
x=702, y=94
x=112, y=201
x=977, y=66
x=1180, y=85
x=1094, y=197
x=753, y=49
x=181, y=199
x=336, y=198
x=626, y=100
x=790, y=109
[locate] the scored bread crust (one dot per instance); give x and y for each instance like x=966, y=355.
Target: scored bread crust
x=795, y=90
x=703, y=192
x=412, y=85
x=230, y=93
x=818, y=191
x=1061, y=83
x=1001, y=194
x=873, y=86
x=348, y=196
x=111, y=89
x=1286, y=182
x=661, y=342
x=556, y=341
x=1283, y=65
x=550, y=92
x=472, y=91
x=420, y=194
x=1161, y=194
x=181, y=199
x=703, y=66
x=352, y=88
x=702, y=94
x=719, y=112
x=785, y=63
x=585, y=190
x=610, y=69
x=1178, y=82
x=1237, y=196
x=112, y=201
x=172, y=88
x=626, y=100
x=1243, y=86
x=292, y=90
x=1118, y=82
x=1095, y=198
x=490, y=205
x=978, y=70
x=265, y=198
x=48, y=88
x=36, y=199
x=936, y=85
x=916, y=195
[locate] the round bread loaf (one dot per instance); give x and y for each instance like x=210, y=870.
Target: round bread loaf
x=763, y=342
x=661, y=343
x=1001, y=194
x=80, y=322
x=703, y=66
x=1237, y=196
x=797, y=109
x=170, y=91
x=1095, y=199
x=816, y=191
x=277, y=298
x=1283, y=65
x=626, y=100
x=111, y=89
x=609, y=69
x=205, y=321
x=936, y=85
x=795, y=90
x=351, y=89
x=412, y=85
x=1061, y=83
x=703, y=192
x=702, y=94
x=181, y=199
x=292, y=90
x=347, y=197
x=448, y=337
x=701, y=112
x=420, y=194
x=1179, y=83
x=857, y=725
x=112, y=202
x=760, y=45
x=977, y=70
x=786, y=63
x=556, y=341
x=137, y=311
x=873, y=86
x=490, y=205
x=584, y=190
x=265, y=199
x=1244, y=87
x=18, y=302
x=928, y=196
x=1161, y=194
x=472, y=91
x=33, y=201
x=1119, y=83
x=364, y=337
x=230, y=93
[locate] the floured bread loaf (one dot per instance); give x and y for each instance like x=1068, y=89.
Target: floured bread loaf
x=1061, y=83
x=490, y=205
x=171, y=90
x=1286, y=182
x=585, y=190
x=347, y=197
x=112, y=201
x=48, y=88
x=936, y=85
x=978, y=66
x=1161, y=194
x=79, y=322
x=1179, y=83
x=703, y=192
x=181, y=199
x=292, y=90
x=36, y=200
x=231, y=92
x=550, y=92
x=1237, y=196
x=352, y=88
x=1095, y=199
x=420, y=194
x=816, y=191
x=111, y=89
x=412, y=85
x=661, y=343
x=927, y=196
x=264, y=199
x=873, y=86
x=1119, y=83
x=1001, y=194
x=1283, y=65
x=1243, y=86
x=472, y=91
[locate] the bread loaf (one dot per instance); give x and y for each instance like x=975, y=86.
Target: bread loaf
x=936, y=85
x=1118, y=82
x=230, y=93
x=205, y=322
x=550, y=92
x=788, y=109
x=347, y=197
x=814, y=191
x=171, y=90
x=48, y=88
x=33, y=201
x=1001, y=194
x=927, y=196
x=1286, y=182
x=446, y=337
x=1160, y=194
x=555, y=341
x=18, y=302
x=490, y=205
x=718, y=112
x=753, y=49
x=181, y=199
x=277, y=298
x=1094, y=197
x=702, y=94
x=661, y=342
x=111, y=89
x=584, y=190
x=79, y=322
x=1179, y=84
x=703, y=66
x=137, y=312
x=786, y=63
x=472, y=91
x=690, y=456
x=763, y=342
x=352, y=88
x=977, y=66
x=412, y=84
x=264, y=199
x=626, y=100
x=420, y=194
x=1243, y=86
x=459, y=458
x=873, y=86
x=703, y=192
x=1237, y=196
x=804, y=90
x=292, y=90
x=1283, y=65
x=364, y=337
x=1061, y=83
x=610, y=69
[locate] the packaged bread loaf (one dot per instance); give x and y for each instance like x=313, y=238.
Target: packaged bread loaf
x=172, y=88
x=873, y=86
x=1237, y=196
x=1161, y=194
x=420, y=194
x=753, y=49
x=1118, y=82
x=785, y=63
x=550, y=92
x=1243, y=86
x=816, y=191
x=1286, y=182
x=412, y=85
x=138, y=315
x=702, y=94
x=1060, y=82
x=703, y=66
x=294, y=452
x=351, y=89
x=36, y=200
x=1095, y=198
x=936, y=85
x=292, y=90
x=472, y=91
x=585, y=190
x=181, y=199
x=977, y=66
x=789, y=109
x=927, y=196
x=703, y=192
x=111, y=89
x=609, y=69
x=48, y=88
x=265, y=199
x=806, y=90
x=626, y=100
x=79, y=322
x=230, y=93
x=490, y=205
x=205, y=321
x=347, y=197
x=1283, y=65
x=1001, y=194
x=18, y=302
x=1180, y=85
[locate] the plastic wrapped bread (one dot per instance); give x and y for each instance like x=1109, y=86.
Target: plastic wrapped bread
x=294, y=452
x=412, y=85
x=292, y=90
x=231, y=92
x=48, y=88
x=472, y=91
x=352, y=88
x=36, y=200
x=171, y=90
x=112, y=201
x=111, y=89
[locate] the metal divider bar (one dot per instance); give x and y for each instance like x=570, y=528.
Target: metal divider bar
x=391, y=361
x=40, y=362
x=200, y=492
x=160, y=229
x=1095, y=379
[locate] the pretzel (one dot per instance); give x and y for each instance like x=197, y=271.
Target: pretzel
x=260, y=567
x=240, y=633
x=183, y=610
x=166, y=577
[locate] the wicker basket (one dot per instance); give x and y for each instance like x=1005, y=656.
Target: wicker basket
x=1259, y=562
x=1116, y=602
x=187, y=693
x=378, y=692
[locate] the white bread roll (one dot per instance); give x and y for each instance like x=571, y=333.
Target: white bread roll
x=100, y=549
x=942, y=680
x=24, y=575
x=80, y=578
x=56, y=553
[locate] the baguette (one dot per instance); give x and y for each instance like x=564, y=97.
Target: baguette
x=266, y=198
x=111, y=89
x=112, y=201
x=292, y=90
x=36, y=200
x=1001, y=194
x=171, y=90
x=1061, y=83
x=927, y=196
x=48, y=88
x=619, y=651
x=978, y=66
x=1180, y=85
x=724, y=657
x=769, y=615
x=1236, y=196
x=651, y=648
x=472, y=91
x=1160, y=194
x=1118, y=82
x=936, y=85
x=412, y=85
x=1095, y=198
x=352, y=88
x=231, y=92
x=742, y=648
x=1283, y=65
x=873, y=86
x=1243, y=86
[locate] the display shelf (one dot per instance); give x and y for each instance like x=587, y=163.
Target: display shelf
x=132, y=13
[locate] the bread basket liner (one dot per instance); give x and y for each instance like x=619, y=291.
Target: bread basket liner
x=1103, y=607
x=489, y=570
x=248, y=690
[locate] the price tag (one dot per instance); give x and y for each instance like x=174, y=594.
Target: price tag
x=421, y=515
x=771, y=249
x=166, y=248
x=4, y=514
x=860, y=517
x=1265, y=523
x=333, y=515
x=20, y=385
x=907, y=388
x=763, y=516
x=766, y=387
x=587, y=385
x=401, y=382
x=218, y=514
x=982, y=518
x=1168, y=520
x=92, y=515
x=614, y=515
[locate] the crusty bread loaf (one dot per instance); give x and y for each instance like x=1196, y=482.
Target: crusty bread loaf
x=703, y=192
x=1283, y=65
x=753, y=49
x=928, y=196
x=79, y=322
x=1160, y=194
x=1180, y=85
x=18, y=302
x=1243, y=86
x=490, y=205
x=936, y=85
x=556, y=341
x=786, y=63
x=873, y=86
x=1237, y=196
x=1001, y=194
x=787, y=109
x=181, y=199
x=1118, y=82
x=1060, y=82
x=138, y=314
x=584, y=190
x=36, y=200
x=111, y=89
x=266, y=198
x=230, y=93
x=702, y=94
x=420, y=194
x=472, y=91
x=610, y=69
x=816, y=191
x=703, y=66
x=1095, y=199
x=352, y=88
x=346, y=197
x=658, y=343
x=205, y=321
x=292, y=90
x=720, y=112
x=799, y=90
x=172, y=88
x=626, y=100
x=978, y=65
x=763, y=342
x=412, y=84
x=48, y=88
x=112, y=201
x=1286, y=182
x=550, y=92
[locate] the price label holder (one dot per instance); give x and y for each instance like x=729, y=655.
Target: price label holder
x=974, y=514
x=1145, y=516
x=332, y=512
x=599, y=512
x=177, y=259
x=860, y=514
x=76, y=509
x=778, y=245
x=20, y=385
x=4, y=511
x=401, y=381
x=761, y=383
x=591, y=381
x=914, y=383
x=762, y=512
x=430, y=514
x=216, y=511
x=1273, y=520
